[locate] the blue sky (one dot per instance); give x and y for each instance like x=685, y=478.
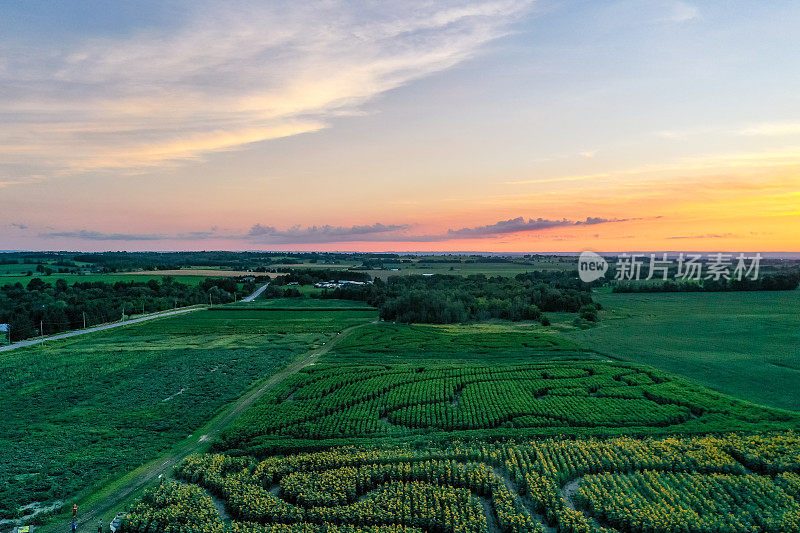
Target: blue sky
x=192, y=123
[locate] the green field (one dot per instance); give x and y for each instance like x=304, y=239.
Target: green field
x=745, y=344
x=93, y=407
x=390, y=342
x=486, y=428
x=465, y=269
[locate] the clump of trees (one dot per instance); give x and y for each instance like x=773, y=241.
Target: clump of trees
x=46, y=308
x=444, y=299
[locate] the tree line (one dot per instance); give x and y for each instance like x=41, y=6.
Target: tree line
x=444, y=299
x=41, y=308
x=785, y=281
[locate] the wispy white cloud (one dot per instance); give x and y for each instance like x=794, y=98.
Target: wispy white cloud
x=683, y=11
x=714, y=163
x=772, y=129
x=228, y=75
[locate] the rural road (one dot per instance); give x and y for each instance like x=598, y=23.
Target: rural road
x=256, y=294
x=31, y=342
x=110, y=504
x=68, y=334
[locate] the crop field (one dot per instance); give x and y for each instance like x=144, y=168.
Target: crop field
x=494, y=427
x=467, y=269
x=669, y=485
x=106, y=278
x=385, y=342
x=323, y=404
x=726, y=341
x=93, y=407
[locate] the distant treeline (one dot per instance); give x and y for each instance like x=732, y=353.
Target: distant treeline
x=787, y=281
x=127, y=261
x=59, y=307
x=444, y=299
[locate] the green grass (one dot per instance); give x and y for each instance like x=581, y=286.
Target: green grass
x=385, y=342
x=93, y=407
x=745, y=344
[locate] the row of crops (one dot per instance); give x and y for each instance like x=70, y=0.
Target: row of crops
x=330, y=401
x=729, y=483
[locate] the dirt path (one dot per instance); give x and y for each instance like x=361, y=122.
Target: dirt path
x=20, y=344
x=109, y=504
x=488, y=512
x=527, y=504
x=568, y=492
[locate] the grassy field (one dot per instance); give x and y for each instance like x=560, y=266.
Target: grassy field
x=741, y=343
x=389, y=342
x=90, y=408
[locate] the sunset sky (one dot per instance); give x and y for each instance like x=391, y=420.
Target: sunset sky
x=405, y=126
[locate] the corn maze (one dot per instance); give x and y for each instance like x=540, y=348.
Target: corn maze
x=330, y=402
x=727, y=483
x=580, y=446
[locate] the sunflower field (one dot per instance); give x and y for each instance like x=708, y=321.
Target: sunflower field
x=723, y=483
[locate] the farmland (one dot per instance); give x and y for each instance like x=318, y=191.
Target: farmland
x=335, y=401
x=726, y=341
x=89, y=409
x=493, y=426
x=384, y=342
x=486, y=428
x=676, y=484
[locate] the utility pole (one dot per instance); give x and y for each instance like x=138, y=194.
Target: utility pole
x=41, y=328
x=210, y=304
x=123, y=313
x=84, y=320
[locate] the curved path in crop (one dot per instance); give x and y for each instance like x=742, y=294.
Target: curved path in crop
x=109, y=503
